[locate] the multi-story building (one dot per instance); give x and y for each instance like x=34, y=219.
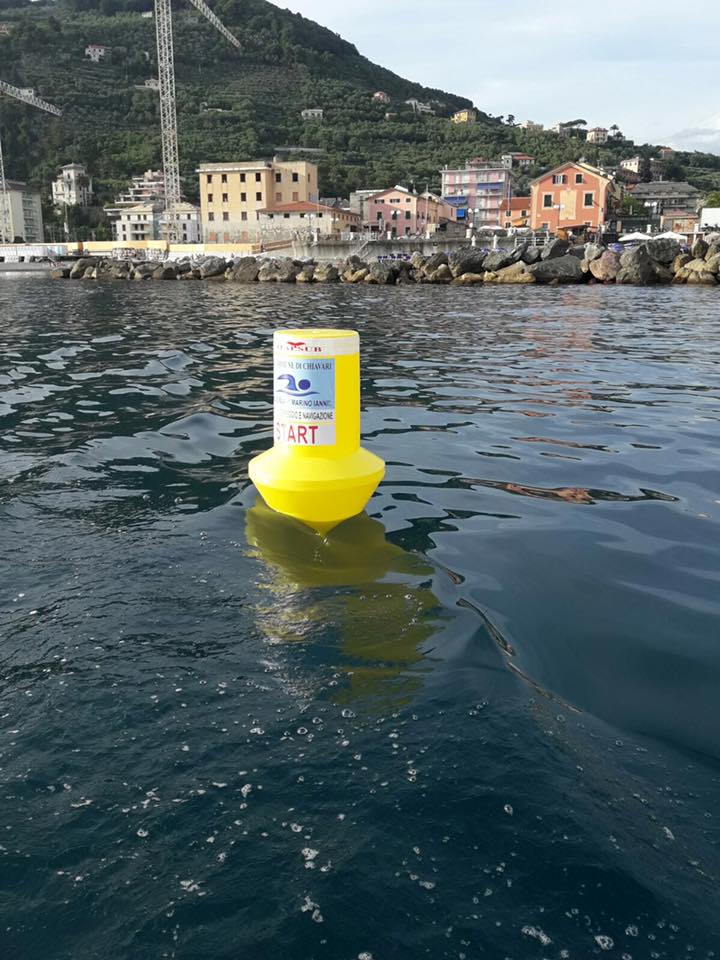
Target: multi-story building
x=597, y=135
x=515, y=212
x=73, y=187
x=306, y=217
x=477, y=190
x=381, y=97
x=145, y=221
x=359, y=202
x=637, y=165
x=532, y=127
x=25, y=209
x=312, y=113
x=573, y=195
x=570, y=129
x=231, y=194
x=663, y=196
x=464, y=116
x=400, y=212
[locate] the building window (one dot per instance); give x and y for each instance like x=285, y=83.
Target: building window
x=258, y=197
x=243, y=198
x=225, y=198
x=210, y=198
x=211, y=216
x=588, y=199
x=278, y=197
x=547, y=200
x=286, y=216
x=243, y=215
x=209, y=178
x=408, y=215
x=296, y=197
x=278, y=178
x=257, y=178
x=380, y=215
x=223, y=178
x=296, y=178
x=579, y=178
x=560, y=178
x=242, y=178
x=226, y=216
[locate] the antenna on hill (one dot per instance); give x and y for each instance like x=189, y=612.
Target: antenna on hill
x=168, y=107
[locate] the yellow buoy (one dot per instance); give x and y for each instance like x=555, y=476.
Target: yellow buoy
x=317, y=471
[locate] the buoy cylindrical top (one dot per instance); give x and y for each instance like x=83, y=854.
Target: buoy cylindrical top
x=316, y=395
x=316, y=470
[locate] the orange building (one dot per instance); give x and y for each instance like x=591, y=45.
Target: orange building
x=572, y=195
x=515, y=212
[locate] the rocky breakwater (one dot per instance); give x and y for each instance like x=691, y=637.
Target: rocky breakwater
x=659, y=261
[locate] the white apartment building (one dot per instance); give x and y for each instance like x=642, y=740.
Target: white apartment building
x=145, y=221
x=25, y=210
x=73, y=187
x=312, y=113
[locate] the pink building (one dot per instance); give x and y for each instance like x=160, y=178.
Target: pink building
x=401, y=213
x=477, y=190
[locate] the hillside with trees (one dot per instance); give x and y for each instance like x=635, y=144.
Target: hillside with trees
x=243, y=104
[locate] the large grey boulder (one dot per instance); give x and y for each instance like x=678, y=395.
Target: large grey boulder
x=166, y=272
x=443, y=274
x=498, y=260
x=77, y=271
x=326, y=273
x=434, y=262
x=515, y=273
x=577, y=251
x=144, y=270
x=532, y=255
x=182, y=267
x=593, y=251
x=282, y=270
x=469, y=279
x=306, y=273
x=466, y=260
x=605, y=268
x=405, y=272
x=417, y=260
x=244, y=270
x=380, y=273
x=556, y=248
x=212, y=267
x=60, y=273
x=355, y=274
x=565, y=269
x=663, y=250
x=700, y=248
x=518, y=252
x=638, y=267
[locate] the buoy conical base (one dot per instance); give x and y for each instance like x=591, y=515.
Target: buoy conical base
x=319, y=491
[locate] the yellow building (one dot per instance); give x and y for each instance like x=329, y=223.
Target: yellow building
x=232, y=194
x=465, y=116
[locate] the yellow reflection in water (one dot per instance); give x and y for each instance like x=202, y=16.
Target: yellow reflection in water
x=379, y=605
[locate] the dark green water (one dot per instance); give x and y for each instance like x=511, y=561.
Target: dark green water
x=480, y=722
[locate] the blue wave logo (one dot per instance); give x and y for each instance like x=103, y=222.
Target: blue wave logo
x=291, y=388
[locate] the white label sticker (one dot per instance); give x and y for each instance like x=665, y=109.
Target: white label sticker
x=304, y=398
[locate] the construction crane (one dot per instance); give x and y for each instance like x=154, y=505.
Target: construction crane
x=168, y=109
x=25, y=96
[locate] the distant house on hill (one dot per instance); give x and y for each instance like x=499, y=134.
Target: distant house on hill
x=312, y=113
x=5, y=29
x=511, y=160
x=381, y=97
x=531, y=126
x=418, y=106
x=96, y=52
x=597, y=135
x=464, y=116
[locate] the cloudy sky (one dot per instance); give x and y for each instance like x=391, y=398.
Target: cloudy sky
x=651, y=66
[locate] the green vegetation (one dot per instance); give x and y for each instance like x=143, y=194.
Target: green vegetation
x=245, y=104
